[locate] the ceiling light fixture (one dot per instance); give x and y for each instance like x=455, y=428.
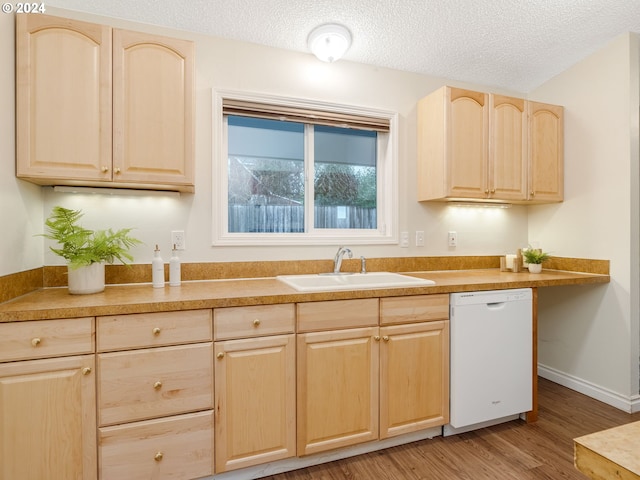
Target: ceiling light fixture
x=329, y=42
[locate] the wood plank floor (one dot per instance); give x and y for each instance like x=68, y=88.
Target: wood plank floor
x=510, y=451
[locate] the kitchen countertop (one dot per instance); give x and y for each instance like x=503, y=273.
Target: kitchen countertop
x=611, y=453
x=50, y=303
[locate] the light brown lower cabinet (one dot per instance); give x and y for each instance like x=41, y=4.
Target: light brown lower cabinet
x=347, y=377
x=48, y=400
x=255, y=385
x=290, y=380
x=154, y=382
x=48, y=419
x=255, y=398
x=337, y=389
x=362, y=384
x=414, y=363
x=178, y=447
x=155, y=395
x=414, y=377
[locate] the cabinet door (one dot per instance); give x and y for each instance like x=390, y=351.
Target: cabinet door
x=48, y=419
x=507, y=148
x=467, y=143
x=255, y=398
x=63, y=99
x=414, y=377
x=337, y=389
x=546, y=152
x=152, y=119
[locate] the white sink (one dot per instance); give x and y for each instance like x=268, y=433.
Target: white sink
x=355, y=281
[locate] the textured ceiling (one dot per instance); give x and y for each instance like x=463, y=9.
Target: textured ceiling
x=513, y=44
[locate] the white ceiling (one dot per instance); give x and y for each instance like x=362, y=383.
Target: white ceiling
x=512, y=44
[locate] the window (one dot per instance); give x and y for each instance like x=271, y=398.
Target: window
x=289, y=172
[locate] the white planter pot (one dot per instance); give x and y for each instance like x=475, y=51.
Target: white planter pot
x=89, y=279
x=535, y=267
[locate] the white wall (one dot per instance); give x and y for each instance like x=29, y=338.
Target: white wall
x=20, y=203
x=243, y=66
x=589, y=336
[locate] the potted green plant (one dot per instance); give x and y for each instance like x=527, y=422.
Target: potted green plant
x=534, y=257
x=86, y=251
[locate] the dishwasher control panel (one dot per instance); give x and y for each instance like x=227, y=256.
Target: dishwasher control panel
x=491, y=296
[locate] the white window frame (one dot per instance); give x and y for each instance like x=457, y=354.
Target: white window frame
x=387, y=187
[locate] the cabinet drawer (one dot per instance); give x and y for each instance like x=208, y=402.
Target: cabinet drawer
x=122, y=332
x=150, y=383
x=46, y=338
x=178, y=447
x=419, y=308
x=337, y=314
x=243, y=322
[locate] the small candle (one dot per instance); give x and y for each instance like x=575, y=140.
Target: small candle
x=510, y=260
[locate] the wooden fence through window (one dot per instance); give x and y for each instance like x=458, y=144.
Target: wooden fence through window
x=290, y=218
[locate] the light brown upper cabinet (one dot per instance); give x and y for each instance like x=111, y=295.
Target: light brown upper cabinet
x=475, y=146
x=453, y=144
x=546, y=152
x=507, y=148
x=103, y=107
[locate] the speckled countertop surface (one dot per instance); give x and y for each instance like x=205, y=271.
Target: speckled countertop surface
x=50, y=303
x=612, y=453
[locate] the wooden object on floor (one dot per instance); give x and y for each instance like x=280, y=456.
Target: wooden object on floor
x=612, y=453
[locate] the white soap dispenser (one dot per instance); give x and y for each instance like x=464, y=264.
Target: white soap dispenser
x=174, y=268
x=157, y=269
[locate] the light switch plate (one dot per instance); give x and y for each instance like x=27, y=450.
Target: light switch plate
x=453, y=239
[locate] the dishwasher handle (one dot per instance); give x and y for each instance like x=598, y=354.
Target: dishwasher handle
x=496, y=305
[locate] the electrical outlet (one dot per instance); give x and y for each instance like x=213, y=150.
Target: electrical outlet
x=404, y=239
x=453, y=239
x=178, y=239
x=419, y=238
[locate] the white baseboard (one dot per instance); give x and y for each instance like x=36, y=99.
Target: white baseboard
x=289, y=464
x=621, y=402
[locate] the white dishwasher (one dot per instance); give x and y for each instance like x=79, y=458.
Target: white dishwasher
x=491, y=358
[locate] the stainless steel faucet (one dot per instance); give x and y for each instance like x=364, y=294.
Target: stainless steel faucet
x=337, y=261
